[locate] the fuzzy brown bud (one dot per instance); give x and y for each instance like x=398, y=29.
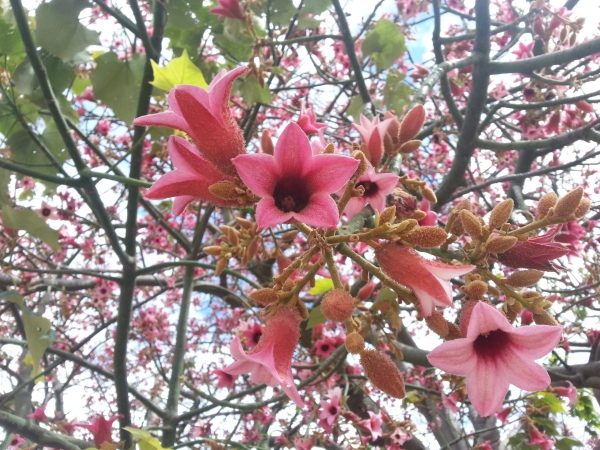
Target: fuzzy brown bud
x=501, y=213
x=224, y=189
x=409, y=147
x=524, y=278
x=388, y=215
x=545, y=319
x=213, y=250
x=355, y=343
x=471, y=224
x=465, y=316
x=266, y=142
x=476, y=288
x=419, y=215
x=411, y=124
x=220, y=267
x=438, y=324
x=500, y=244
x=264, y=296
x=429, y=194
x=383, y=373
x=302, y=310
x=337, y=305
x=568, y=204
x=289, y=236
x=545, y=203
x=427, y=237
x=583, y=208
x=453, y=332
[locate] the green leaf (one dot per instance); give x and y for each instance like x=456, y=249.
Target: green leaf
x=281, y=12
x=315, y=317
x=79, y=85
x=396, y=93
x=311, y=9
x=355, y=108
x=551, y=401
x=29, y=221
x=146, y=440
x=4, y=180
x=36, y=329
x=10, y=40
x=117, y=83
x=58, y=28
x=567, y=443
x=12, y=296
x=183, y=13
x=385, y=44
x=179, y=71
x=253, y=92
x=24, y=78
x=321, y=286
x=60, y=74
x=233, y=40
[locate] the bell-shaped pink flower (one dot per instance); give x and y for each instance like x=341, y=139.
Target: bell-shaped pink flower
x=270, y=362
x=536, y=253
x=308, y=121
x=430, y=219
x=536, y=437
x=372, y=134
x=429, y=280
x=100, y=429
x=294, y=184
x=569, y=391
x=495, y=355
x=206, y=117
x=228, y=8
x=191, y=178
x=39, y=414
x=376, y=186
x=373, y=424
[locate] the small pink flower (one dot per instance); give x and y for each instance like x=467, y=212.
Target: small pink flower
x=570, y=392
x=228, y=8
x=570, y=234
x=429, y=280
x=103, y=127
x=430, y=219
x=399, y=436
x=47, y=212
x=252, y=333
x=270, y=362
x=524, y=51
x=372, y=134
x=373, y=424
x=308, y=121
x=16, y=442
x=330, y=410
x=503, y=415
x=538, y=438
x=325, y=347
x=450, y=401
x=495, y=355
x=294, y=184
x=100, y=429
x=376, y=186
x=303, y=444
x=206, y=117
x=225, y=380
x=39, y=415
x=27, y=183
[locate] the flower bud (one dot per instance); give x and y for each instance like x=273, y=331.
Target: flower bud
x=264, y=296
x=213, y=250
x=388, y=215
x=476, y=288
x=438, y=324
x=471, y=224
x=220, y=267
x=411, y=124
x=583, y=208
x=419, y=215
x=524, y=278
x=355, y=343
x=582, y=105
x=409, y=147
x=366, y=291
x=337, y=305
x=266, y=142
x=500, y=244
x=429, y=194
x=501, y=213
x=302, y=309
x=427, y=237
x=224, y=189
x=545, y=203
x=568, y=204
x=545, y=319
x=383, y=373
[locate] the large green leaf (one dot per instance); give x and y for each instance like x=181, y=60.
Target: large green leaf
x=396, y=93
x=10, y=40
x=315, y=317
x=183, y=13
x=385, y=44
x=29, y=221
x=253, y=92
x=60, y=74
x=281, y=12
x=58, y=28
x=179, y=71
x=117, y=83
x=38, y=340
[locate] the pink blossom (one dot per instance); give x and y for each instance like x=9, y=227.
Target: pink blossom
x=376, y=186
x=16, y=442
x=308, y=121
x=570, y=234
x=270, y=362
x=450, y=401
x=325, y=347
x=47, y=212
x=303, y=444
x=294, y=184
x=330, y=410
x=206, y=117
x=228, y=8
x=429, y=280
x=225, y=380
x=372, y=134
x=524, y=51
x=431, y=217
x=100, y=429
x=252, y=333
x=538, y=438
x=39, y=415
x=536, y=253
x=399, y=436
x=27, y=183
x=103, y=127
x=495, y=355
x=503, y=414
x=569, y=391
x=373, y=424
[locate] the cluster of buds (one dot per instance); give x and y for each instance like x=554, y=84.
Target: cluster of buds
x=400, y=135
x=239, y=243
x=572, y=206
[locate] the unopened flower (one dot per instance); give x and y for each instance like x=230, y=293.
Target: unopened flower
x=429, y=280
x=570, y=234
x=376, y=186
x=228, y=8
x=270, y=362
x=372, y=134
x=337, y=305
x=100, y=429
x=308, y=121
x=431, y=217
x=536, y=253
x=294, y=184
x=206, y=117
x=494, y=355
x=569, y=391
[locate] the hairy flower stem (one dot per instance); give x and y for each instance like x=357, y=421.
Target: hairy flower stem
x=335, y=276
x=298, y=262
x=530, y=227
x=503, y=287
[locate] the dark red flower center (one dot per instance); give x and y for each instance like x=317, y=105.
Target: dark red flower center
x=46, y=212
x=369, y=187
x=492, y=344
x=333, y=410
x=291, y=196
x=324, y=347
x=256, y=337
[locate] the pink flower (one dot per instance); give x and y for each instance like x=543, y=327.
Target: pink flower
x=294, y=184
x=191, y=178
x=373, y=424
x=399, y=436
x=570, y=234
x=495, y=355
x=535, y=253
x=376, y=186
x=39, y=415
x=100, y=429
x=524, y=51
x=503, y=415
x=47, y=212
x=206, y=117
x=252, y=333
x=430, y=219
x=372, y=134
x=429, y=280
x=570, y=392
x=330, y=410
x=270, y=362
x=450, y=401
x=16, y=442
x=228, y=8
x=225, y=380
x=325, y=347
x=538, y=438
x=308, y=121
x=303, y=444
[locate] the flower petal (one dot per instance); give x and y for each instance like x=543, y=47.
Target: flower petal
x=329, y=173
x=487, y=385
x=524, y=374
x=258, y=171
x=268, y=215
x=456, y=357
x=486, y=318
x=321, y=211
x=219, y=92
x=354, y=206
x=292, y=392
x=536, y=341
x=163, y=119
x=293, y=152
x=187, y=158
x=181, y=202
